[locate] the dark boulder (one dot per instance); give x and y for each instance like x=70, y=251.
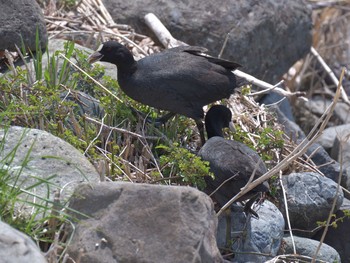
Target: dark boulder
x=20, y=20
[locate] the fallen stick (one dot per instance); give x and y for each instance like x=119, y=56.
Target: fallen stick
x=161, y=32
x=269, y=87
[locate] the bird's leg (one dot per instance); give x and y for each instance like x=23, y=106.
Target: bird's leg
x=137, y=113
x=158, y=121
x=200, y=127
x=228, y=227
x=248, y=206
x=161, y=120
x=165, y=118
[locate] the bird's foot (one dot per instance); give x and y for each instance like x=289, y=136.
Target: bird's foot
x=248, y=207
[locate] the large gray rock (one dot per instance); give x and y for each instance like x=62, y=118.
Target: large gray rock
x=20, y=20
x=266, y=37
x=17, y=247
x=330, y=134
x=37, y=158
x=310, y=198
x=253, y=237
x=307, y=247
x=143, y=223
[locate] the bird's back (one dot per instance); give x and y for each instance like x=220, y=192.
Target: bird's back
x=231, y=159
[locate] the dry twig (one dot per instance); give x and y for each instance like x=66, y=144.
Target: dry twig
x=139, y=136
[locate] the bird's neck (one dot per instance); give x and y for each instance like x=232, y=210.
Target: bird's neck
x=214, y=130
x=126, y=70
x=128, y=66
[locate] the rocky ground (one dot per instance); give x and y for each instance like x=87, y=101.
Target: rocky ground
x=128, y=222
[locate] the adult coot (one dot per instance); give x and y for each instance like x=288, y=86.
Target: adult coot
x=229, y=160
x=180, y=80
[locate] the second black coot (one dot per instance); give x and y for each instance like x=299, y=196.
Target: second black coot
x=229, y=159
x=180, y=80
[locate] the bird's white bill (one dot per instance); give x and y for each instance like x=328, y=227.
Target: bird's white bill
x=96, y=56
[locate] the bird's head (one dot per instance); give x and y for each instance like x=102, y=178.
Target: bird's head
x=217, y=118
x=112, y=52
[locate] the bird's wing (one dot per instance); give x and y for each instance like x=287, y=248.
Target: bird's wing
x=232, y=157
x=192, y=76
x=202, y=52
x=198, y=51
x=189, y=49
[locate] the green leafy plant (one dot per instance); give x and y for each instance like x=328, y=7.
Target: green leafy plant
x=268, y=139
x=245, y=90
x=180, y=163
x=335, y=220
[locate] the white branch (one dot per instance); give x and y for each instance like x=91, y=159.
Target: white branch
x=162, y=33
x=331, y=74
x=267, y=86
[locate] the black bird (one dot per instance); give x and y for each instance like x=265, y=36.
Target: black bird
x=229, y=160
x=180, y=80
